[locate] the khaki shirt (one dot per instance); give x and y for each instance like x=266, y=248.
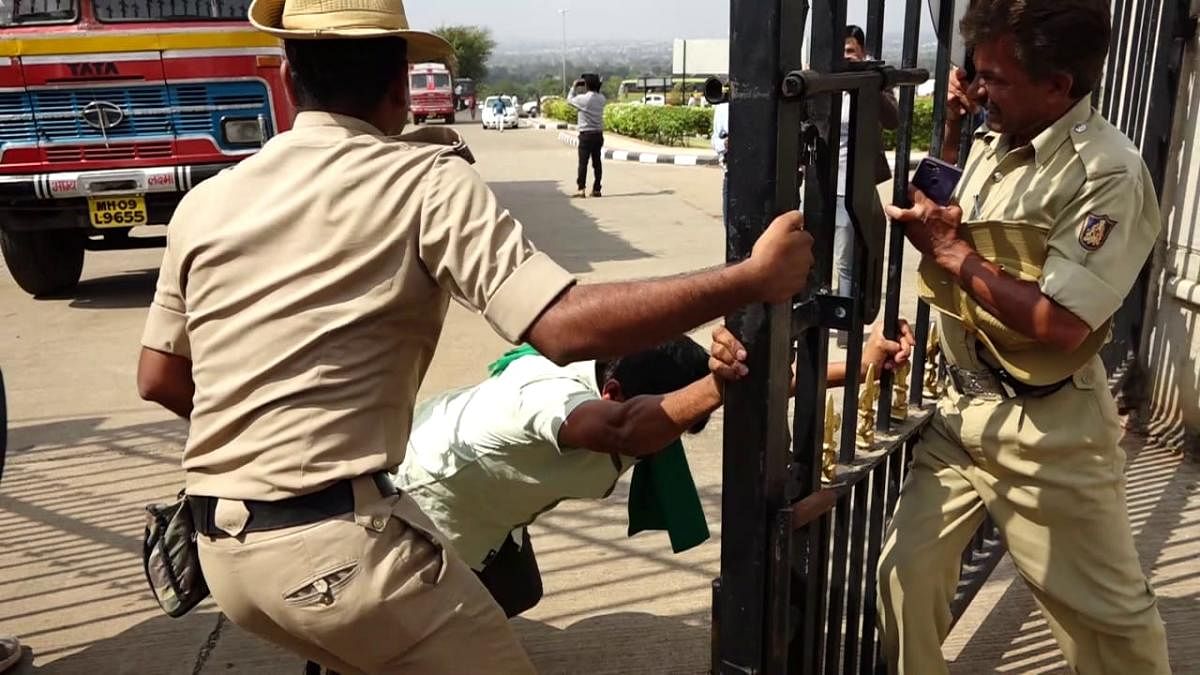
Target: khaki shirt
x=1084, y=185
x=308, y=286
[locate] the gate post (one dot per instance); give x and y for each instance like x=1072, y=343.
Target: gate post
x=764, y=142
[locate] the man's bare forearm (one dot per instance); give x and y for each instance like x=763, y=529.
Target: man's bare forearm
x=605, y=320
x=1020, y=305
x=651, y=422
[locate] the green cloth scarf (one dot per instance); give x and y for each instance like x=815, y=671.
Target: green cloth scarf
x=662, y=492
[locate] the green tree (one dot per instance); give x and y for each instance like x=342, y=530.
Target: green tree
x=611, y=87
x=473, y=46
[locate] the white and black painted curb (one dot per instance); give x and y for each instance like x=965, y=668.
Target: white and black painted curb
x=642, y=156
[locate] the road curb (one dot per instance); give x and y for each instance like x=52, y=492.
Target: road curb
x=543, y=124
x=643, y=157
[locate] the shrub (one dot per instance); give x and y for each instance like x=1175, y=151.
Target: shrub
x=665, y=125
x=922, y=127
x=559, y=109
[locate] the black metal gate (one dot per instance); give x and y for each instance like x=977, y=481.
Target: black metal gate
x=798, y=554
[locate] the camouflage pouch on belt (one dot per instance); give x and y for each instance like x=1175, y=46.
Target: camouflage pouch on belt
x=170, y=558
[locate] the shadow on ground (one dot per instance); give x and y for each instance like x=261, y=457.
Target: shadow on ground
x=133, y=288
x=621, y=642
x=553, y=221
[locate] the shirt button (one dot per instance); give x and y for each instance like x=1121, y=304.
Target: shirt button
x=998, y=176
x=1081, y=127
x=378, y=523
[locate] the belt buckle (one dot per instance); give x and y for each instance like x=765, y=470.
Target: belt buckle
x=979, y=384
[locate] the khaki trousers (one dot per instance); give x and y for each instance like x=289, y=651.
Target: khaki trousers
x=376, y=591
x=1051, y=475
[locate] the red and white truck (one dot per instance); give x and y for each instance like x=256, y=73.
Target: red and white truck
x=431, y=88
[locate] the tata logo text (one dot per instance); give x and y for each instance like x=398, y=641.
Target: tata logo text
x=93, y=69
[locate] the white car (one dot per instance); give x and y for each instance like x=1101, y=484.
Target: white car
x=528, y=108
x=492, y=120
x=655, y=99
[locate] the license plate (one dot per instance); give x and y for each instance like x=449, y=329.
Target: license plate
x=124, y=211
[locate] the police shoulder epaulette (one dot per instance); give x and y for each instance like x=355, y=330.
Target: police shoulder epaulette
x=450, y=141
x=1103, y=149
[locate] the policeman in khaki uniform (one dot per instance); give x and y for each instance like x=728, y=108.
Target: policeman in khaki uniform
x=1055, y=216
x=300, y=299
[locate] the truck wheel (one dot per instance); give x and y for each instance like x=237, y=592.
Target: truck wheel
x=451, y=118
x=44, y=262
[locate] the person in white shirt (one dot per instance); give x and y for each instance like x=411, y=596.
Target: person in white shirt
x=590, y=104
x=485, y=461
x=720, y=145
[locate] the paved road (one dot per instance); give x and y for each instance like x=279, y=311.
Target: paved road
x=86, y=454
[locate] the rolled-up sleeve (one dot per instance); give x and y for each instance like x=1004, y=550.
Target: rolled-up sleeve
x=1098, y=246
x=478, y=253
x=166, y=324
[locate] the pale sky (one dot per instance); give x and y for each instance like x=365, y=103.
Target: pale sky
x=528, y=20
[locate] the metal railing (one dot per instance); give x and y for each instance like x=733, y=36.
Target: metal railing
x=797, y=590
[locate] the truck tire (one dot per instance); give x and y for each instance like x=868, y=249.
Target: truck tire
x=451, y=118
x=44, y=262
x=3, y=425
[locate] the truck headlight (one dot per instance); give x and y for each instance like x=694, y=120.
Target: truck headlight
x=242, y=131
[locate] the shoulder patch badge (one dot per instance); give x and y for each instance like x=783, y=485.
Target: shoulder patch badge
x=1095, y=231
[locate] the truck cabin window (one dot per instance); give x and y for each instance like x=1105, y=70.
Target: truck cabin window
x=171, y=10
x=35, y=12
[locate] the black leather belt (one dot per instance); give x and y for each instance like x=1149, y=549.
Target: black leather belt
x=330, y=502
x=997, y=384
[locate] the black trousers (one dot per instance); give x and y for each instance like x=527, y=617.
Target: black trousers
x=512, y=576
x=590, y=145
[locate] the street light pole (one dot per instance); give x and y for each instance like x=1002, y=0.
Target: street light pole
x=566, y=91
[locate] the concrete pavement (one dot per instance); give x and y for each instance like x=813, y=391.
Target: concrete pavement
x=86, y=454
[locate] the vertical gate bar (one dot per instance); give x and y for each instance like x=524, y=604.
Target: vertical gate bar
x=1107, y=95
x=874, y=28
x=945, y=33
x=778, y=621
x=967, y=136
x=807, y=658
x=876, y=521
x=755, y=408
x=855, y=591
x=895, y=261
x=1155, y=149
x=811, y=555
x=1143, y=55
x=1118, y=94
x=837, y=586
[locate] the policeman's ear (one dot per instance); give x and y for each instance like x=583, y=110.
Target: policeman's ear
x=1061, y=83
x=397, y=93
x=289, y=84
x=612, y=391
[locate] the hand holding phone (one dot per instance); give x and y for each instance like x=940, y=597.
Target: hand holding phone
x=937, y=179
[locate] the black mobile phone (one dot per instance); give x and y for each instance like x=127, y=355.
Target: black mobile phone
x=937, y=179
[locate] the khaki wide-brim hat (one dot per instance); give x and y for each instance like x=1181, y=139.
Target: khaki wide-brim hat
x=347, y=19
x=1020, y=249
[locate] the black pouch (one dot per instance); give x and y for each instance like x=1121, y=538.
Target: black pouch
x=170, y=557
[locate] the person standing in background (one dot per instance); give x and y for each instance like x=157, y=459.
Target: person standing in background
x=720, y=145
x=590, y=103
x=889, y=118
